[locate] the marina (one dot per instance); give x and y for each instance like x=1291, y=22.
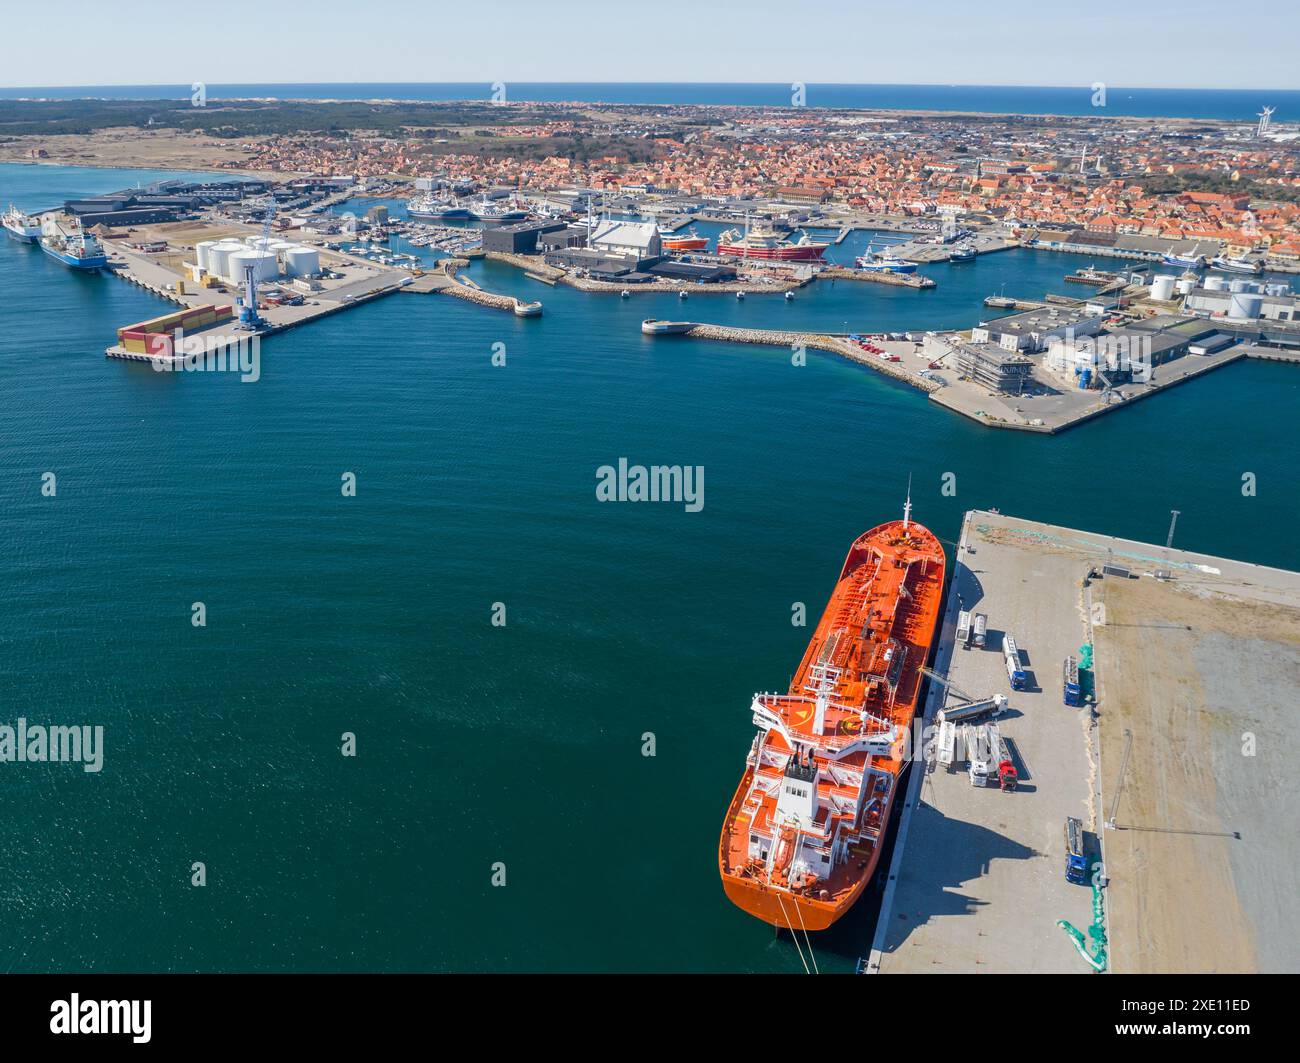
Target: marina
x=1192, y=836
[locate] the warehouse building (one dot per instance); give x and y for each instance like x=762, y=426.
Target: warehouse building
x=635, y=239
x=520, y=239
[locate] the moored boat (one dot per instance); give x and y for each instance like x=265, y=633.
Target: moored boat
x=76, y=250
x=690, y=241
x=20, y=226
x=805, y=829
x=766, y=243
x=1227, y=264
x=875, y=262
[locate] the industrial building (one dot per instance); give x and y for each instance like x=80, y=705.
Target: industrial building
x=633, y=239
x=522, y=238
x=1034, y=330
x=994, y=366
x=1244, y=300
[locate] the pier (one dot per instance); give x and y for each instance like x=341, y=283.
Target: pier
x=1196, y=839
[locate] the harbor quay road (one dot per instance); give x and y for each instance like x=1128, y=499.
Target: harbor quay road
x=1174, y=764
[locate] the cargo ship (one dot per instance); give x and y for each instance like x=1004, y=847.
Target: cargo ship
x=804, y=832
x=20, y=226
x=764, y=242
x=76, y=250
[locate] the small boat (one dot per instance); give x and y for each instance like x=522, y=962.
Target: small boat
x=681, y=295
x=740, y=295
x=789, y=297
x=962, y=253
x=533, y=309
x=625, y=294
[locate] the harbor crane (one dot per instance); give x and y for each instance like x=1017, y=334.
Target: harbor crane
x=248, y=315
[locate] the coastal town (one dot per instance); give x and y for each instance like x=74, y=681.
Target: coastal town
x=1109, y=176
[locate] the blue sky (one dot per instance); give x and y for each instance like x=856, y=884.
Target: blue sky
x=1140, y=43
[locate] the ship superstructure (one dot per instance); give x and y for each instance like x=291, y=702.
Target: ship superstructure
x=805, y=828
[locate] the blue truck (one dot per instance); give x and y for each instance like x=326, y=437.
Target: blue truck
x=1014, y=672
x=1071, y=692
x=1076, y=865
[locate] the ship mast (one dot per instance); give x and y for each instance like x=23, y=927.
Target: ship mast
x=907, y=506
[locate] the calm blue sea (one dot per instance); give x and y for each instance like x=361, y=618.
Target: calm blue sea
x=477, y=744
x=1229, y=104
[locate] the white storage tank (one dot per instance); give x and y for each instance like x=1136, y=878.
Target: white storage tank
x=264, y=263
x=1162, y=288
x=201, y=252
x=1277, y=288
x=1244, y=305
x=1239, y=284
x=301, y=261
x=219, y=257
x=1185, y=285
x=1216, y=284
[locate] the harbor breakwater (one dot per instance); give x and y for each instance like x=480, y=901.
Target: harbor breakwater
x=811, y=341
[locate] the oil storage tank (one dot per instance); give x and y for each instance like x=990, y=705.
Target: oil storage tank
x=301, y=261
x=1162, y=288
x=264, y=263
x=1245, y=305
x=201, y=253
x=219, y=257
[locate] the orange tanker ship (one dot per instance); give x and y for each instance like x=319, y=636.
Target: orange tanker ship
x=804, y=831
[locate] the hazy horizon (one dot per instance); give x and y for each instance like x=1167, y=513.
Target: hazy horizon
x=1161, y=44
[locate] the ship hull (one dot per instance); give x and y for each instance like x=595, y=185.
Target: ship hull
x=884, y=608
x=92, y=262
x=20, y=236
x=789, y=253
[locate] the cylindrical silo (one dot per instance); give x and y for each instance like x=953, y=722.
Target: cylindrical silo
x=264, y=265
x=201, y=252
x=219, y=257
x=1162, y=288
x=1216, y=284
x=1244, y=305
x=1184, y=285
x=301, y=261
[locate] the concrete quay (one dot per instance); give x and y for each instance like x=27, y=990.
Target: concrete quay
x=1178, y=771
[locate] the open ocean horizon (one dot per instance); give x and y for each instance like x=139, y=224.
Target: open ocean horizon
x=1219, y=104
